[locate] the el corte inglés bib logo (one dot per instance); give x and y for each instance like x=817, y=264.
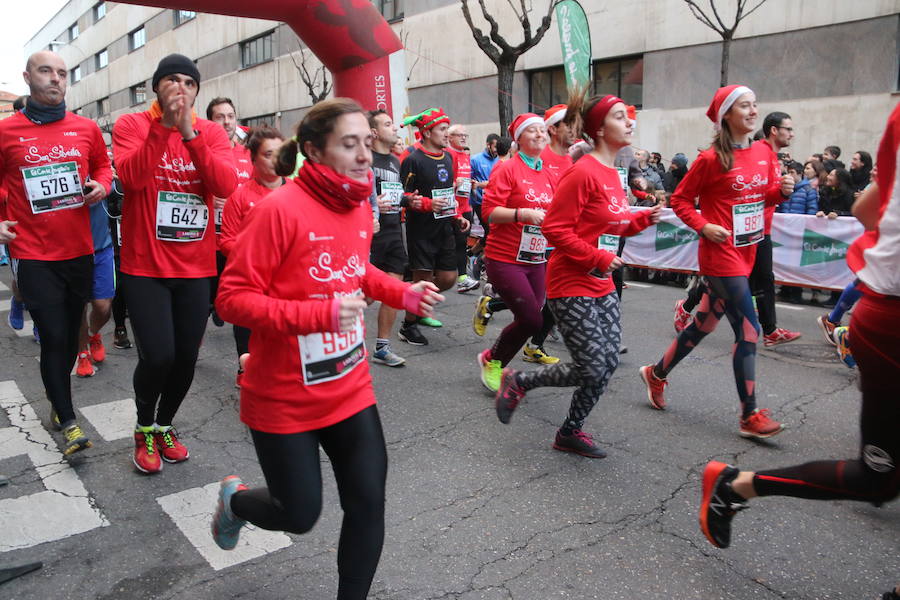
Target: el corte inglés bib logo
x=669, y=236
x=818, y=248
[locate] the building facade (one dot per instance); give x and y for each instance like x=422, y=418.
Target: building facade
x=833, y=65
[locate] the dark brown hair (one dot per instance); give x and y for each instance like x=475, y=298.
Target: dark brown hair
x=216, y=102
x=258, y=135
x=314, y=128
x=723, y=146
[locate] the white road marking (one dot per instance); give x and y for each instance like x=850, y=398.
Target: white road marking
x=789, y=306
x=638, y=285
x=26, y=330
x=62, y=510
x=3, y=287
x=192, y=510
x=112, y=420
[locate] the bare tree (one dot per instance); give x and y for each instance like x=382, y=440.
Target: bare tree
x=503, y=54
x=404, y=39
x=317, y=91
x=716, y=23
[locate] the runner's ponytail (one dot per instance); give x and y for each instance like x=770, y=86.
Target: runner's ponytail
x=286, y=162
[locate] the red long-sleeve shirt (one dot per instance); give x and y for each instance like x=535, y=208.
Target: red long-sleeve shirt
x=513, y=184
x=75, y=145
x=243, y=167
x=293, y=261
x=236, y=209
x=555, y=164
x=462, y=168
x=589, y=202
x=157, y=169
x=753, y=178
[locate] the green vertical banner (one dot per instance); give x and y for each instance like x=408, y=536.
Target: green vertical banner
x=575, y=39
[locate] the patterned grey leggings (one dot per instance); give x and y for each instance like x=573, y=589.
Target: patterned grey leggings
x=592, y=333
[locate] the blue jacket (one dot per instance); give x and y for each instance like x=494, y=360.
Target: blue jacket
x=482, y=165
x=804, y=200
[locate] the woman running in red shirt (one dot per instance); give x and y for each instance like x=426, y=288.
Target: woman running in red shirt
x=589, y=207
x=297, y=276
x=735, y=181
x=263, y=147
x=516, y=199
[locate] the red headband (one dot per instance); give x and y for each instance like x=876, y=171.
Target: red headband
x=594, y=119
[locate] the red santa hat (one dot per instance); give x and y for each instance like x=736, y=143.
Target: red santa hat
x=724, y=98
x=523, y=122
x=554, y=114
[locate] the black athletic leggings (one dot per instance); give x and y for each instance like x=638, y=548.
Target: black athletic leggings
x=241, y=339
x=293, y=499
x=762, y=285
x=118, y=304
x=168, y=317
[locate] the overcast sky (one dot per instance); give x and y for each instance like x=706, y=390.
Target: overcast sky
x=18, y=25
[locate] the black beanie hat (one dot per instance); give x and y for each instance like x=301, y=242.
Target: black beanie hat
x=176, y=63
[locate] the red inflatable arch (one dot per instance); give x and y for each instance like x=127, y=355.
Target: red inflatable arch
x=350, y=37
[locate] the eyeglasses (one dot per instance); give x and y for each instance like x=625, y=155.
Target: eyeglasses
x=464, y=136
x=791, y=129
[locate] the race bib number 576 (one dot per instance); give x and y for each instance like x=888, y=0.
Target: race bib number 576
x=53, y=187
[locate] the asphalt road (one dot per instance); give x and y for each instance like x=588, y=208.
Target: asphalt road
x=476, y=509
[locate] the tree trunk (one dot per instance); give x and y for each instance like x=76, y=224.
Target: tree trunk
x=505, y=72
x=726, y=52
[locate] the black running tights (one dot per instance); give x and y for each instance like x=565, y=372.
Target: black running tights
x=293, y=499
x=168, y=317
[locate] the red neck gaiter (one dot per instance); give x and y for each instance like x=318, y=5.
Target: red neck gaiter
x=338, y=192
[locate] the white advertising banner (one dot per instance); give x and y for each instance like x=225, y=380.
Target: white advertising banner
x=807, y=250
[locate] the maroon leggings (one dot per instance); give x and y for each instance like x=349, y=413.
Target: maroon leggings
x=522, y=288
x=873, y=476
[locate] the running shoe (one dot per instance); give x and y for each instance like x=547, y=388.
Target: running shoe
x=509, y=394
x=98, y=352
x=682, y=317
x=146, y=458
x=120, y=338
x=4, y=260
x=169, y=447
x=759, y=425
x=75, y=440
x=579, y=442
x=430, y=322
x=36, y=334
x=466, y=284
x=386, y=356
x=84, y=368
x=537, y=354
x=226, y=526
x=482, y=315
x=490, y=370
x=216, y=319
x=16, y=316
x=719, y=503
x=842, y=343
x=656, y=387
x=409, y=333
x=827, y=328
x=780, y=336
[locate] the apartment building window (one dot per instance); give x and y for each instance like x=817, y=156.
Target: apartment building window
x=137, y=38
x=75, y=75
x=183, y=16
x=548, y=87
x=257, y=50
x=390, y=9
x=73, y=32
x=101, y=59
x=99, y=11
x=259, y=121
x=103, y=106
x=623, y=77
x=139, y=93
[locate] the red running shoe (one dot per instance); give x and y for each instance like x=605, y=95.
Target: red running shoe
x=84, y=367
x=578, y=443
x=718, y=503
x=146, y=458
x=656, y=388
x=760, y=425
x=98, y=351
x=171, y=449
x=682, y=317
x=780, y=336
x=508, y=395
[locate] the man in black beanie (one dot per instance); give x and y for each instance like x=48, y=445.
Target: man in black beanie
x=171, y=165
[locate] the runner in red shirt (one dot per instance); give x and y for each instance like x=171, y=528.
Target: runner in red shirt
x=53, y=164
x=735, y=180
x=588, y=209
x=297, y=276
x=171, y=164
x=556, y=155
x=462, y=171
x=263, y=147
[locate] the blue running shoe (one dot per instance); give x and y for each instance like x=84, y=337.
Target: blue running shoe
x=37, y=336
x=16, y=316
x=226, y=526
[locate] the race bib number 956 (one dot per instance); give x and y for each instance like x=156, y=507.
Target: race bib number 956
x=329, y=356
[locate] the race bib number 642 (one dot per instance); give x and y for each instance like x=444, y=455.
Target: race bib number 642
x=180, y=217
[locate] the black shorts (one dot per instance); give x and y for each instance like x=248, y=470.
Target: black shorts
x=434, y=253
x=45, y=283
x=388, y=252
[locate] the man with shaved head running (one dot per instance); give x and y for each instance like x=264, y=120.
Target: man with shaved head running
x=54, y=165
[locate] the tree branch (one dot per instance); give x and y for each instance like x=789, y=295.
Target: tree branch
x=701, y=16
x=750, y=12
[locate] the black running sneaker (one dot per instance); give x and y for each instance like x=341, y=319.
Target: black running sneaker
x=409, y=333
x=578, y=442
x=719, y=503
x=508, y=395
